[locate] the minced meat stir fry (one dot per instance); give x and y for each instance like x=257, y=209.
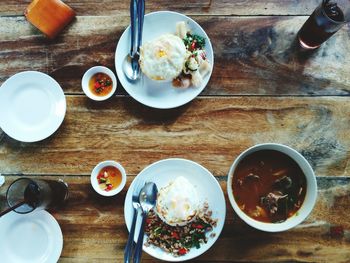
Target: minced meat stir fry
x=178, y=240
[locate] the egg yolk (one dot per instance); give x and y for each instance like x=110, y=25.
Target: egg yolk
x=161, y=53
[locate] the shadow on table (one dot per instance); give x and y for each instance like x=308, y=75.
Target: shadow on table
x=156, y=116
x=3, y=203
x=296, y=52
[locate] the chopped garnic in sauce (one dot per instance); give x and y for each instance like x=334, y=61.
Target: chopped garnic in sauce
x=109, y=178
x=100, y=84
x=269, y=186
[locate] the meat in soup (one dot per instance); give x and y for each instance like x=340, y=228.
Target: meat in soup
x=269, y=186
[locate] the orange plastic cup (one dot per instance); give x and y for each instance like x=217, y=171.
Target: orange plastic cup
x=49, y=16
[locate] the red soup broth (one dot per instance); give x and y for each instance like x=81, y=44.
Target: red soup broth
x=269, y=186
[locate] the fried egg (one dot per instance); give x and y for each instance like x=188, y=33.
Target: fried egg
x=177, y=203
x=163, y=58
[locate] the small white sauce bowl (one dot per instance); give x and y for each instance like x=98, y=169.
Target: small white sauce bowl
x=87, y=76
x=97, y=169
x=310, y=197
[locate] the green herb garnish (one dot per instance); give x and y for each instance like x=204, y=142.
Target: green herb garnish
x=198, y=40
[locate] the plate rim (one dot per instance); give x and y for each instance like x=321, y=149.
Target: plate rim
x=60, y=118
x=218, y=231
x=50, y=220
x=189, y=99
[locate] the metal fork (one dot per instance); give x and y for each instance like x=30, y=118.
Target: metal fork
x=136, y=205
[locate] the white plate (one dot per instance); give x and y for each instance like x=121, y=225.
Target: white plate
x=30, y=238
x=161, y=95
x=164, y=171
x=32, y=106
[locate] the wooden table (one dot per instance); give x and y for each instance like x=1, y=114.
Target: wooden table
x=263, y=89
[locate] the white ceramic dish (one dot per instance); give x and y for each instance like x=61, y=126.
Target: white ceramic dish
x=31, y=238
x=32, y=106
x=164, y=171
x=310, y=197
x=98, y=168
x=87, y=76
x=160, y=94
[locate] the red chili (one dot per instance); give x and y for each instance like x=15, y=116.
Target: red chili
x=182, y=251
x=198, y=226
x=175, y=235
x=97, y=85
x=193, y=45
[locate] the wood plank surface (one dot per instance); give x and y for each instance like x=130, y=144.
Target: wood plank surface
x=263, y=89
x=199, y=7
x=94, y=228
x=211, y=131
x=253, y=56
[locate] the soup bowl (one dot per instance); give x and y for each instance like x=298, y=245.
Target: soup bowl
x=310, y=195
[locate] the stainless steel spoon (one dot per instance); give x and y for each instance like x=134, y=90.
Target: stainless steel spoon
x=130, y=68
x=148, y=197
x=131, y=65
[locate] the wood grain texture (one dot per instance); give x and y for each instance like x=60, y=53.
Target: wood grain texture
x=263, y=89
x=253, y=56
x=211, y=131
x=94, y=230
x=202, y=7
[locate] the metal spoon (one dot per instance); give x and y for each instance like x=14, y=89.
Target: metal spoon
x=148, y=197
x=131, y=65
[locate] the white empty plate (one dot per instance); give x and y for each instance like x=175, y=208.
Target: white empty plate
x=161, y=95
x=209, y=190
x=30, y=238
x=32, y=106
